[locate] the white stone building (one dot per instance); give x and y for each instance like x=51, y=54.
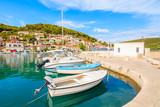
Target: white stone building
x=129, y=49
x=23, y=32
x=14, y=44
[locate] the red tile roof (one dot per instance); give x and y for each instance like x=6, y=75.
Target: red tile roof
x=39, y=45
x=2, y=41
x=100, y=46
x=57, y=45
x=67, y=45
x=74, y=46
x=14, y=41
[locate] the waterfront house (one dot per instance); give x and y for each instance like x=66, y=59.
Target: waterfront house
x=100, y=46
x=58, y=46
x=40, y=47
x=14, y=44
x=75, y=48
x=128, y=49
x=2, y=43
x=28, y=47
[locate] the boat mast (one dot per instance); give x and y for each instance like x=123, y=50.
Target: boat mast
x=62, y=26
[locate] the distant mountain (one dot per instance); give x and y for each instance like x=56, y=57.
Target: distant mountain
x=152, y=43
x=46, y=28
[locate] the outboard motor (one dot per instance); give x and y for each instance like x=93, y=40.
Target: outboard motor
x=43, y=63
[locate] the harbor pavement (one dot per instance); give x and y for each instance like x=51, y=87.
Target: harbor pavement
x=146, y=75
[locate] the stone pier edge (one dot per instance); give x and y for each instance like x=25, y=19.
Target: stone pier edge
x=119, y=69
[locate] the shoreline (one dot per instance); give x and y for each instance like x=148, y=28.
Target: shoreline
x=141, y=71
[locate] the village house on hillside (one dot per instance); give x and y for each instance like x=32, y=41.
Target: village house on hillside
x=2, y=43
x=41, y=47
x=1, y=39
x=41, y=35
x=14, y=44
x=23, y=32
x=14, y=37
x=51, y=35
x=5, y=31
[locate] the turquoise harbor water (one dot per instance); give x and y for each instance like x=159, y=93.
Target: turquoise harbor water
x=19, y=77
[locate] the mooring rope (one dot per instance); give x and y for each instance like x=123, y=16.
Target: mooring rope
x=34, y=100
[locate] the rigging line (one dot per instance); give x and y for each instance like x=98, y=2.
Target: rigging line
x=34, y=100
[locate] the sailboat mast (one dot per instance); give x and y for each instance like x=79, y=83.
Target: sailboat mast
x=62, y=27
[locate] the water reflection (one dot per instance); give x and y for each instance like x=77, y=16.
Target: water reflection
x=17, y=65
x=74, y=99
x=19, y=73
x=126, y=80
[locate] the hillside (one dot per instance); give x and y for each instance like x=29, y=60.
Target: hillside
x=152, y=43
x=46, y=28
x=8, y=28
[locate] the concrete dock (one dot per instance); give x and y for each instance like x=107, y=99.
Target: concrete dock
x=146, y=75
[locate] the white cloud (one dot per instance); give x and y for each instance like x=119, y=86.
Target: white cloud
x=72, y=24
x=22, y=23
x=6, y=19
x=100, y=30
x=91, y=22
x=129, y=35
x=122, y=6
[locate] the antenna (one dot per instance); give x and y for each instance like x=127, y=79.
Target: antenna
x=142, y=38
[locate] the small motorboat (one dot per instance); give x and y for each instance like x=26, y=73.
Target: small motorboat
x=77, y=69
x=73, y=84
x=73, y=99
x=63, y=61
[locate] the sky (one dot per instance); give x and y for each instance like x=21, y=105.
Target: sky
x=106, y=20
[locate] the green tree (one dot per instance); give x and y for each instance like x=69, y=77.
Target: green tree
x=32, y=39
x=34, y=48
x=82, y=47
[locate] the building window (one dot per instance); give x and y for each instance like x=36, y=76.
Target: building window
x=17, y=42
x=137, y=49
x=9, y=45
x=19, y=45
x=118, y=50
x=12, y=41
x=15, y=45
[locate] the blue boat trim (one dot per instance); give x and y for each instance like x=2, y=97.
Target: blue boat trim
x=78, y=67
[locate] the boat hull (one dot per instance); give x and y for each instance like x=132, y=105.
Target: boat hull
x=53, y=65
x=75, y=71
x=72, y=90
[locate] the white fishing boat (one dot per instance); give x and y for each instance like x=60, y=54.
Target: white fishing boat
x=74, y=84
x=63, y=61
x=73, y=99
x=77, y=69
